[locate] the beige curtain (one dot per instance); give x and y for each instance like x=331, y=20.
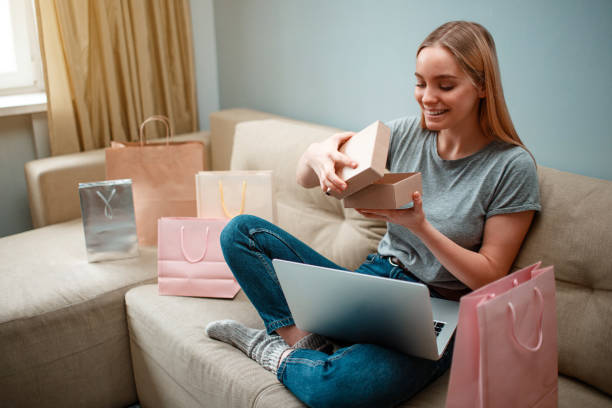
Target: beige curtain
x=110, y=64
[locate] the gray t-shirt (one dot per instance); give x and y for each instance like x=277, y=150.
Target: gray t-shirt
x=458, y=195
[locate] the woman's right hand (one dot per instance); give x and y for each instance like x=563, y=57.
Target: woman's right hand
x=322, y=160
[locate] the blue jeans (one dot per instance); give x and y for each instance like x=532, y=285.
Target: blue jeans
x=360, y=375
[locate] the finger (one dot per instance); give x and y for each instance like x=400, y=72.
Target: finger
x=343, y=160
x=379, y=211
x=336, y=183
x=325, y=172
x=328, y=185
x=418, y=201
x=370, y=214
x=341, y=138
x=333, y=180
x=324, y=185
x=373, y=212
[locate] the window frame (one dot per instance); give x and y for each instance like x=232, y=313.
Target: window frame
x=29, y=76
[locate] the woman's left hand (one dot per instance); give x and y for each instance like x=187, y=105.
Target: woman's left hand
x=411, y=218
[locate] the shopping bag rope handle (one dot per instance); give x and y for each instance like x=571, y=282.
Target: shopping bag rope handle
x=161, y=118
x=540, y=323
x=480, y=355
x=242, y=201
x=108, y=210
x=192, y=260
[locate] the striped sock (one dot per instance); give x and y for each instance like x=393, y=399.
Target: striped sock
x=258, y=345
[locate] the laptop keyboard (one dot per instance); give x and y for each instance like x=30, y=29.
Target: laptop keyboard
x=438, y=327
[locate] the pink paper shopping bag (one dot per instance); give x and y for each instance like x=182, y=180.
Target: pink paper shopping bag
x=505, y=352
x=189, y=258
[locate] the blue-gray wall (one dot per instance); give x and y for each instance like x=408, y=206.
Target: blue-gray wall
x=205, y=59
x=346, y=63
x=16, y=148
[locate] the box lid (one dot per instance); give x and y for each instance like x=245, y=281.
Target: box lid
x=369, y=148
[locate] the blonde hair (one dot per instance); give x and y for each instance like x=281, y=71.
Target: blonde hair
x=474, y=49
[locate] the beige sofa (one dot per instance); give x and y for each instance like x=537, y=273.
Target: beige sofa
x=69, y=337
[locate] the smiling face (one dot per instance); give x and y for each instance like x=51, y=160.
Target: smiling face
x=447, y=96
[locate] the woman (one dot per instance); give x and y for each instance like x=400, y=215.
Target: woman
x=480, y=193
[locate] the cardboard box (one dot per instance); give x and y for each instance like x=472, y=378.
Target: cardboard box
x=392, y=191
x=369, y=148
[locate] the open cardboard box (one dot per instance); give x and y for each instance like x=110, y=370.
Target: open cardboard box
x=369, y=149
x=392, y=191
x=367, y=185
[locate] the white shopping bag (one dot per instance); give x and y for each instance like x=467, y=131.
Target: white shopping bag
x=225, y=194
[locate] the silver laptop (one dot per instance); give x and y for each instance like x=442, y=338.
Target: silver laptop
x=362, y=308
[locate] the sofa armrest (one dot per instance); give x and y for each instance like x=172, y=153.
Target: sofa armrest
x=53, y=182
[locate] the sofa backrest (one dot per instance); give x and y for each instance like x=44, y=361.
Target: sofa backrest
x=342, y=235
x=573, y=232
x=222, y=129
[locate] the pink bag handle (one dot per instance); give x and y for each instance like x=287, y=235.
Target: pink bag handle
x=160, y=118
x=190, y=260
x=540, y=323
x=480, y=356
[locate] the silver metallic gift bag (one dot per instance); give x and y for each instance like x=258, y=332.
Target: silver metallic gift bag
x=107, y=208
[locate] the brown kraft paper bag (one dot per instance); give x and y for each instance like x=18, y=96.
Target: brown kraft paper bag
x=163, y=177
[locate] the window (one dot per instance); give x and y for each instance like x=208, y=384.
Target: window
x=20, y=63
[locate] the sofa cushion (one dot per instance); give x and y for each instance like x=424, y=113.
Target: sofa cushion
x=342, y=235
x=572, y=232
x=177, y=364
x=63, y=334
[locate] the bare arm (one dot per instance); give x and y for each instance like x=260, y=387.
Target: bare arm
x=503, y=236
x=502, y=239
x=320, y=162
